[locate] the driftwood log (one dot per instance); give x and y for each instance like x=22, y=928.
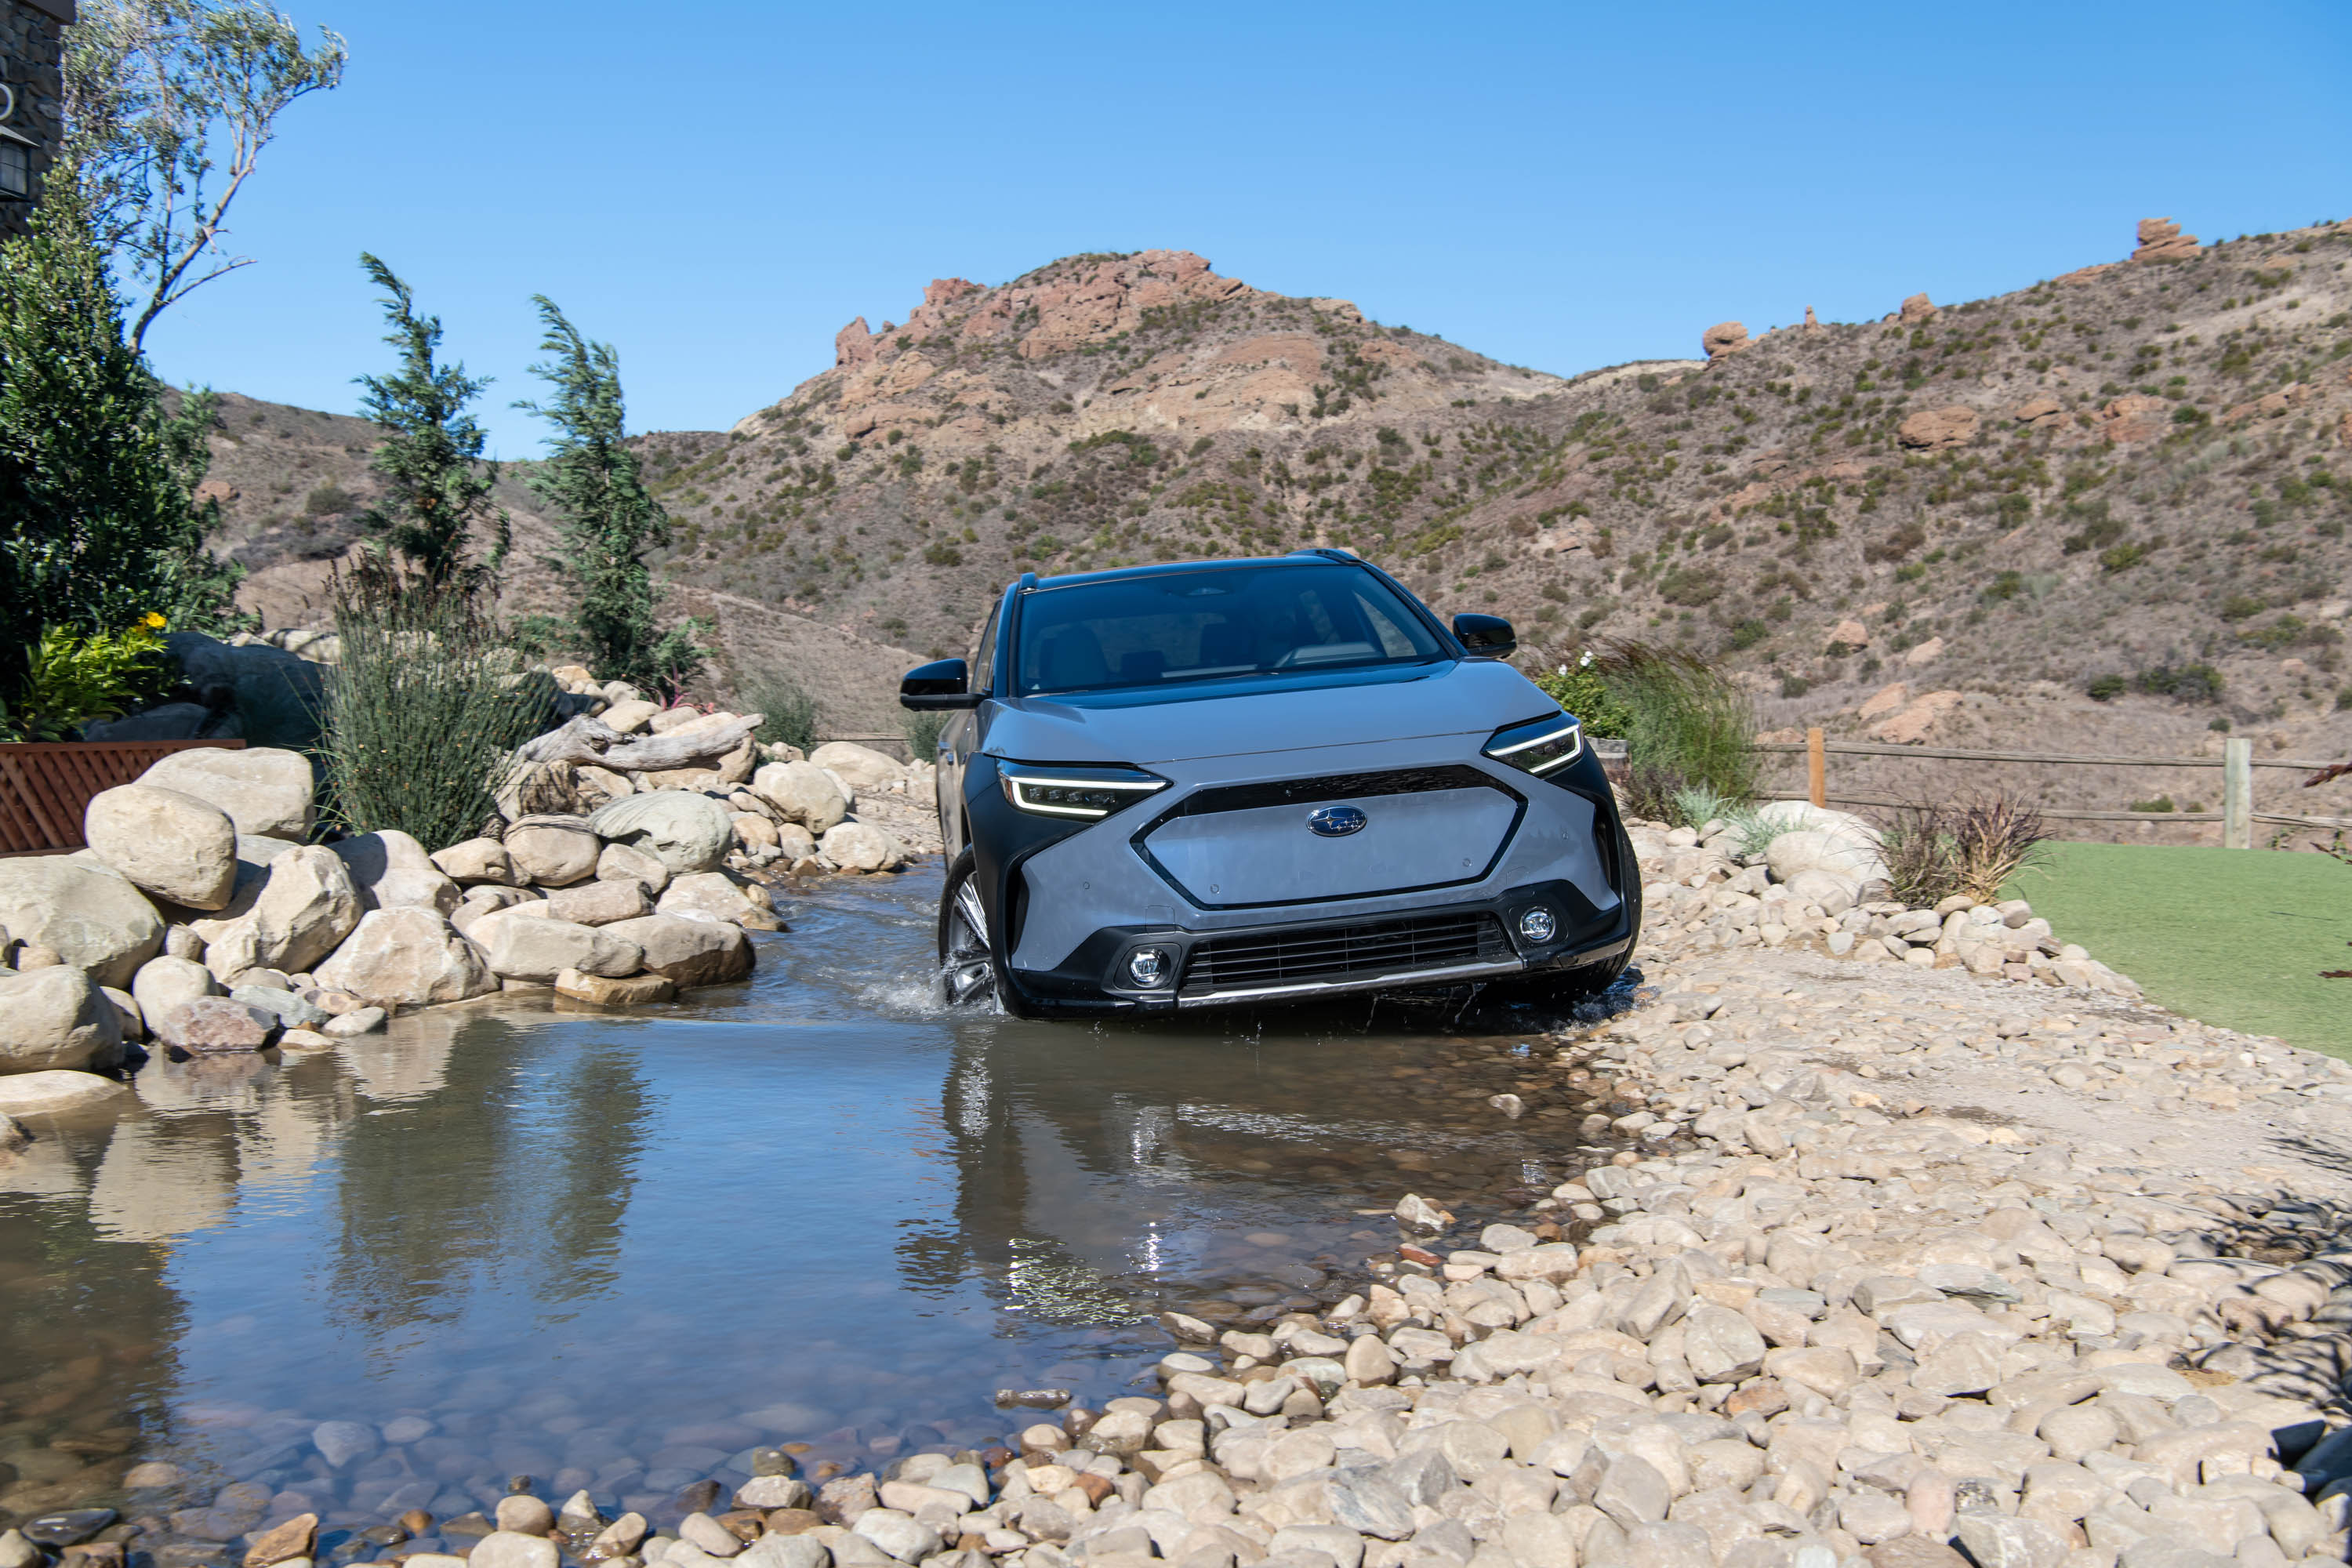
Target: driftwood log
x=597, y=743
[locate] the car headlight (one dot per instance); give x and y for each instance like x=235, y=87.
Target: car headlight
x=1542, y=747
x=1090, y=793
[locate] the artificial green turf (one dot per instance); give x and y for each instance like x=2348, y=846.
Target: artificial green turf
x=2236, y=937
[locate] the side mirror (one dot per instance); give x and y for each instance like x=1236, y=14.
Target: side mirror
x=938, y=686
x=1487, y=636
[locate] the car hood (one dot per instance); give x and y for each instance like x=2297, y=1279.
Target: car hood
x=1142, y=726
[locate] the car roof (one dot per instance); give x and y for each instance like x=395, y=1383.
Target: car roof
x=1161, y=568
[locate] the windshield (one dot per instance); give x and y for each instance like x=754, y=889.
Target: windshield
x=1213, y=623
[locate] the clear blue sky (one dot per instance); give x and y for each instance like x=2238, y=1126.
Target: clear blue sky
x=716, y=187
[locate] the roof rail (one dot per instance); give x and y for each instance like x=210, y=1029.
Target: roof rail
x=1028, y=581
x=1331, y=552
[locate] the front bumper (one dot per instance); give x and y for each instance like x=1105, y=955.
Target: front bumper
x=1444, y=944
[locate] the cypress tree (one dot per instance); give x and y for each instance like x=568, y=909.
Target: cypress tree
x=592, y=482
x=437, y=486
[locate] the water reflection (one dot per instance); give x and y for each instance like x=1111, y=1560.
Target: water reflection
x=615, y=1252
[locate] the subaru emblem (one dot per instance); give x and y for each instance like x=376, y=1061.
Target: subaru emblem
x=1336, y=821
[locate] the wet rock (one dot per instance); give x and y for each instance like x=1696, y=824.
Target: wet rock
x=282, y=1542
x=777, y=1491
x=57, y=1091
x=629, y=990
x=69, y=1528
x=16, y=1552
x=1417, y=1213
x=861, y=847
x=163, y=982
x=214, y=1025
x=700, y=1531
x=691, y=952
x=291, y=1011
x=358, y=1021
x=709, y=896
x=341, y=1443
x=523, y=946
x=897, y=1534
x=166, y=843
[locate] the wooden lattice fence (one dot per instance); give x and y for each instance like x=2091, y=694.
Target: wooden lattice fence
x=46, y=785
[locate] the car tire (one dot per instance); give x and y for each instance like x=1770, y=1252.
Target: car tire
x=970, y=974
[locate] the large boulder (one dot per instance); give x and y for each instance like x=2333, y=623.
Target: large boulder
x=264, y=790
x=308, y=906
x=860, y=767
x=521, y=946
x=393, y=872
x=1821, y=840
x=685, y=831
x=90, y=916
x=552, y=851
x=860, y=847
x=802, y=793
x=710, y=896
x=172, y=845
x=57, y=1091
x=627, y=863
x=56, y=1018
x=406, y=958
x=162, y=984
x=277, y=697
x=692, y=953
x=600, y=903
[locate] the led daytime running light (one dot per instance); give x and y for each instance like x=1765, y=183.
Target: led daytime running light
x=1569, y=742
x=1049, y=797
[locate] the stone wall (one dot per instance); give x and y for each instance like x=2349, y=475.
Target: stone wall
x=30, y=47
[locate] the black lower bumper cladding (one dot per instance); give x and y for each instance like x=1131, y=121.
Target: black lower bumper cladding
x=1297, y=960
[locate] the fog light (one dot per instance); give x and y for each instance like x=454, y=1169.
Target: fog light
x=1147, y=965
x=1538, y=925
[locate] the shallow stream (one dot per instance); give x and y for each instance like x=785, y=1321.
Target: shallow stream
x=618, y=1252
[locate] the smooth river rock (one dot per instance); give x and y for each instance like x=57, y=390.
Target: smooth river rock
x=802, y=793
x=308, y=906
x=56, y=1091
x=393, y=872
x=264, y=790
x=685, y=831
x=168, y=843
x=406, y=958
x=692, y=953
x=56, y=1018
x=92, y=918
x=552, y=851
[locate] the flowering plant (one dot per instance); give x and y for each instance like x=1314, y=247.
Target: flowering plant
x=70, y=681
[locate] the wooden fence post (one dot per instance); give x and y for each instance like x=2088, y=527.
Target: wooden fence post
x=1817, y=768
x=2237, y=794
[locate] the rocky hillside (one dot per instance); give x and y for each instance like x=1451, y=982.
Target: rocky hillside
x=292, y=483
x=2106, y=510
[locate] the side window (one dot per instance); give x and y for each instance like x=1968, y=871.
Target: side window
x=983, y=660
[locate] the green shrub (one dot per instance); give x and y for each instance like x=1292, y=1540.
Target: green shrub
x=2106, y=688
x=2160, y=803
x=2186, y=683
x=70, y=681
x=2122, y=557
x=789, y=713
x=1578, y=689
x=923, y=733
x=1686, y=722
x=422, y=710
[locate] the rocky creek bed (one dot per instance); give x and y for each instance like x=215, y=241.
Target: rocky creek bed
x=1788, y=1260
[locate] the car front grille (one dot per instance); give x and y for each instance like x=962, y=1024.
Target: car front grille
x=1307, y=954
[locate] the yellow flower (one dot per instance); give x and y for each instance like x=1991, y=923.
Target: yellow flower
x=155, y=621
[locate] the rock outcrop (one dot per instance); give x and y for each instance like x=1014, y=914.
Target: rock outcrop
x=2160, y=239
x=1723, y=339
x=1917, y=312
x=1934, y=429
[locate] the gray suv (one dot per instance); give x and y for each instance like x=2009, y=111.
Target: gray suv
x=1232, y=783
